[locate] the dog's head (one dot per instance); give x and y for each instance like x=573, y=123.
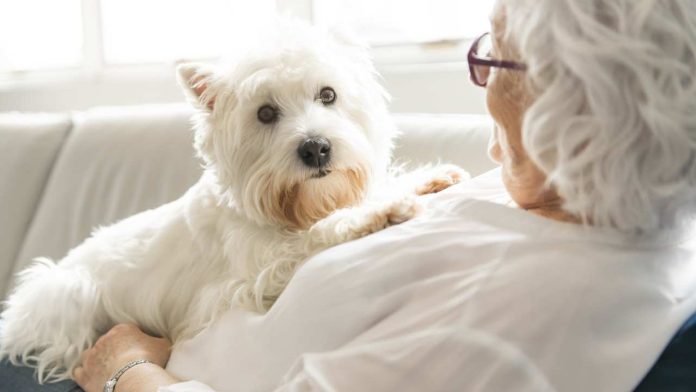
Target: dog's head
x=296, y=128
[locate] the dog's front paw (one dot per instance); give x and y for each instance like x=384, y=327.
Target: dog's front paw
x=352, y=223
x=444, y=176
x=400, y=211
x=388, y=214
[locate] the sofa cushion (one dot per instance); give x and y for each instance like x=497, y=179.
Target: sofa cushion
x=28, y=147
x=116, y=162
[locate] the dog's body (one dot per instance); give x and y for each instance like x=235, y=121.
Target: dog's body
x=295, y=141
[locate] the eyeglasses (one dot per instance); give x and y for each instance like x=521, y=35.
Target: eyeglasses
x=480, y=62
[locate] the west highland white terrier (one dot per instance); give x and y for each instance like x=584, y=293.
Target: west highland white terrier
x=296, y=141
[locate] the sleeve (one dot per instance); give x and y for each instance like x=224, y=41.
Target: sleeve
x=443, y=360
x=187, y=386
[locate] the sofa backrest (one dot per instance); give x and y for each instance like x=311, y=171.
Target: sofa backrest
x=28, y=148
x=116, y=162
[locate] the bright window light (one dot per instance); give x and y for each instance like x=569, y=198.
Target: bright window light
x=48, y=34
x=388, y=22
x=137, y=31
x=40, y=34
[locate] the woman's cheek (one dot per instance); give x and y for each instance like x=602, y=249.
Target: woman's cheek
x=495, y=152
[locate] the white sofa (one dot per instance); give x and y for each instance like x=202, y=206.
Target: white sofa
x=63, y=174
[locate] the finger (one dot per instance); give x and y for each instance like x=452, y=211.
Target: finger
x=87, y=355
x=79, y=374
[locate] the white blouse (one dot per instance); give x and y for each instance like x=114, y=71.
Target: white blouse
x=472, y=295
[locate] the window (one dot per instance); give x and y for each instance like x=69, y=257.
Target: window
x=40, y=34
x=410, y=32
x=150, y=31
x=73, y=54
x=395, y=22
x=122, y=32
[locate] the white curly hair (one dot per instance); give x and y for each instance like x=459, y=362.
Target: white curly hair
x=613, y=122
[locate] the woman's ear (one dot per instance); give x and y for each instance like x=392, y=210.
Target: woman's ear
x=196, y=81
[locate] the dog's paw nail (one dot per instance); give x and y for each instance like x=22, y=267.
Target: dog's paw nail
x=450, y=175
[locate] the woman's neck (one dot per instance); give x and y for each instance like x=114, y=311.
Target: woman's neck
x=554, y=211
x=527, y=186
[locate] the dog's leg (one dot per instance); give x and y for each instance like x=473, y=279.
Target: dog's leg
x=50, y=319
x=352, y=223
x=341, y=226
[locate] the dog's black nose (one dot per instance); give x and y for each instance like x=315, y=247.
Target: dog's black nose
x=315, y=152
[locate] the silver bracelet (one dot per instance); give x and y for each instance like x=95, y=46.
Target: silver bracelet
x=111, y=383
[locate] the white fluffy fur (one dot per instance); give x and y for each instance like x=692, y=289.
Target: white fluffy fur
x=614, y=121
x=238, y=235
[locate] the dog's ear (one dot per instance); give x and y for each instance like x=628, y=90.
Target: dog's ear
x=196, y=80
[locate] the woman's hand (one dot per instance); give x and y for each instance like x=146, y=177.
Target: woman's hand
x=122, y=344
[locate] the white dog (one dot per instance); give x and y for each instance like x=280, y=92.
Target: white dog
x=295, y=138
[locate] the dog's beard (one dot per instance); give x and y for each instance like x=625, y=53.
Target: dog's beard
x=299, y=205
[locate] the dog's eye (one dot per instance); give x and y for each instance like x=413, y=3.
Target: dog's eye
x=267, y=114
x=327, y=95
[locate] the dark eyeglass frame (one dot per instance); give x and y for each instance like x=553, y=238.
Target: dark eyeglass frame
x=474, y=60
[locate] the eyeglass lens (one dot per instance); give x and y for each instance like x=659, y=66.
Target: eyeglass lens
x=483, y=50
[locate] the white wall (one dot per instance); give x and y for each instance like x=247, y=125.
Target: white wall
x=430, y=88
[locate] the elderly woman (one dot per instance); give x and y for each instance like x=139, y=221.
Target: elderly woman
x=566, y=269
